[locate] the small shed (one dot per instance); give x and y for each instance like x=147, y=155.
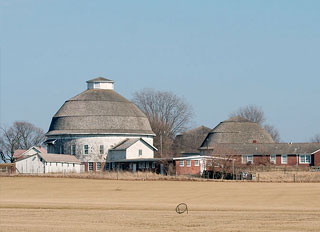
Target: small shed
x=40, y=163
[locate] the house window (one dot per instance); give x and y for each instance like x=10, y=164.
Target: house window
x=284, y=159
x=73, y=165
x=273, y=159
x=147, y=164
x=188, y=163
x=141, y=165
x=196, y=163
x=101, y=149
x=98, y=167
x=181, y=163
x=90, y=166
x=305, y=159
x=140, y=152
x=86, y=149
x=247, y=159
x=73, y=149
x=56, y=164
x=153, y=165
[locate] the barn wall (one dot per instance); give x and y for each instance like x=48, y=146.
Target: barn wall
x=30, y=165
x=93, y=142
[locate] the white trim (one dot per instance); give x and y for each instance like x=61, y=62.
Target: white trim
x=282, y=160
x=245, y=159
x=305, y=159
x=197, y=165
x=315, y=152
x=188, y=163
x=181, y=163
x=275, y=159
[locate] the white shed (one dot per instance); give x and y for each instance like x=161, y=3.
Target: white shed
x=48, y=163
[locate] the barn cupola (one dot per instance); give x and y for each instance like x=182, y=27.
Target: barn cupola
x=100, y=83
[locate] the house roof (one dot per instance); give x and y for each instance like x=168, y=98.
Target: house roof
x=237, y=130
x=99, y=111
x=263, y=149
x=48, y=157
x=100, y=79
x=125, y=144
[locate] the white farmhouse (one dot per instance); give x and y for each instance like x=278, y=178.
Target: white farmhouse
x=48, y=163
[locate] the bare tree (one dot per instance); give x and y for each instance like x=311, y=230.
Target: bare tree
x=21, y=135
x=191, y=140
x=168, y=115
x=273, y=132
x=255, y=114
x=251, y=112
x=315, y=138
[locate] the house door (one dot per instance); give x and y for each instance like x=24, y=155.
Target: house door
x=134, y=167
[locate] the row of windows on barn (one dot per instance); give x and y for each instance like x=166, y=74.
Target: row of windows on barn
x=86, y=150
x=303, y=159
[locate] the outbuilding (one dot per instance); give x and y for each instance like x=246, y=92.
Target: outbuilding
x=41, y=163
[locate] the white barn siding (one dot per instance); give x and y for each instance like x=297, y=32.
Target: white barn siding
x=93, y=142
x=30, y=165
x=33, y=165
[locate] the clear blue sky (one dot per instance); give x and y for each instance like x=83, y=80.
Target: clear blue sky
x=218, y=55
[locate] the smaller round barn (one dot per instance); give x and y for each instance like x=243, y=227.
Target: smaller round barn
x=237, y=130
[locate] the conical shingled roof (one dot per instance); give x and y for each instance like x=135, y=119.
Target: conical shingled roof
x=237, y=130
x=99, y=111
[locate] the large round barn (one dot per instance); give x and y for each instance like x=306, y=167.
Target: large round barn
x=96, y=121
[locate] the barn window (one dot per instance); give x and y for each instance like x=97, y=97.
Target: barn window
x=284, y=159
x=90, y=166
x=273, y=159
x=96, y=85
x=181, y=163
x=188, y=163
x=86, y=149
x=98, y=166
x=305, y=159
x=196, y=163
x=101, y=149
x=140, y=152
x=73, y=149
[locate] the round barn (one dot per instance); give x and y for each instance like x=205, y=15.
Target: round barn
x=97, y=120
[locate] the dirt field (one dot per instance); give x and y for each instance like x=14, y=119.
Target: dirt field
x=63, y=204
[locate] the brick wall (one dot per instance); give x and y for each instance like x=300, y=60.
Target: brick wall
x=193, y=170
x=316, y=159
